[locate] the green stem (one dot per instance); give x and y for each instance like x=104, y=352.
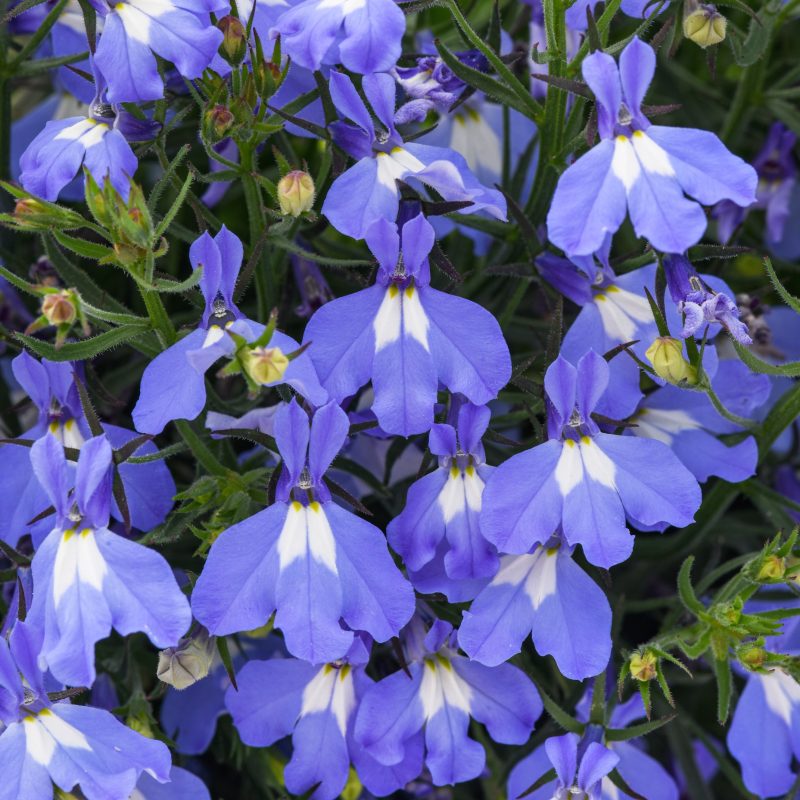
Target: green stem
x=263, y=278
x=159, y=319
x=199, y=449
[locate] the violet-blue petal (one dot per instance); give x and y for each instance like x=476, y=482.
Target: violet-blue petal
x=171, y=388
x=563, y=754
x=589, y=203
x=373, y=34
x=236, y=589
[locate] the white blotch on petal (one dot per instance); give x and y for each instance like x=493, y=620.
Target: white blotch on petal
x=442, y=686
x=597, y=464
x=663, y=424
x=331, y=690
x=622, y=312
x=462, y=490
x=307, y=530
x=652, y=156
x=536, y=571
x=415, y=320
x=78, y=559
x=400, y=313
x=624, y=163
x=584, y=457
x=44, y=732
x=781, y=693
x=213, y=335
x=569, y=470
x=345, y=6
x=477, y=141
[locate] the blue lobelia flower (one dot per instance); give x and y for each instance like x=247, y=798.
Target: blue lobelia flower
x=42, y=742
x=182, y=785
x=582, y=481
x=368, y=191
x=95, y=141
x=407, y=337
x=764, y=736
x=317, y=706
x=640, y=168
x=135, y=31
x=700, y=305
x=149, y=487
x=434, y=701
x=446, y=503
x=305, y=557
x=639, y=770
x=363, y=35
x=547, y=595
x=580, y=769
x=777, y=183
x=173, y=383
x=687, y=422
x=614, y=310
x=88, y=580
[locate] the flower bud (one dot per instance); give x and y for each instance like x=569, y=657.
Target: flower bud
x=234, y=40
x=34, y=215
x=217, y=122
x=265, y=364
x=296, y=193
x=187, y=663
x=705, y=26
x=752, y=656
x=773, y=568
x=643, y=665
x=59, y=309
x=666, y=356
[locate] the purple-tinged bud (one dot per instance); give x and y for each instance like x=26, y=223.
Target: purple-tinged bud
x=189, y=662
x=217, y=122
x=234, y=40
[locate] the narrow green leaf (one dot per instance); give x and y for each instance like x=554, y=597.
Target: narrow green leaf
x=88, y=348
x=548, y=776
x=82, y=247
x=560, y=717
x=722, y=669
x=790, y=370
x=790, y=300
x=686, y=590
x=175, y=207
x=635, y=731
x=225, y=655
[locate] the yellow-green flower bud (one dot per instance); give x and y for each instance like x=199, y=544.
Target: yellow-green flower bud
x=752, y=656
x=217, y=122
x=666, y=356
x=59, y=309
x=705, y=26
x=296, y=193
x=234, y=40
x=265, y=364
x=643, y=666
x=773, y=568
x=187, y=663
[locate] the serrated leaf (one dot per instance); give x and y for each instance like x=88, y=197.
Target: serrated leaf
x=560, y=717
x=88, y=348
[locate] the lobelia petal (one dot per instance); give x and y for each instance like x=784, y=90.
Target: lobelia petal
x=320, y=758
x=416, y=532
x=129, y=64
x=111, y=158
x=704, y=167
x=373, y=34
x=141, y=591
x=382, y=780
x=452, y=756
x=267, y=704
x=601, y=74
x=379, y=86
x=308, y=30
x=560, y=385
x=376, y=597
x=468, y=348
x=563, y=754
x=522, y=502
x=503, y=698
x=93, y=481
x=643, y=773
x=182, y=785
x=205, y=253
x=49, y=465
x=360, y=197
x=329, y=431
x=637, y=66
x=589, y=203
x=171, y=388
x=669, y=494
x=760, y=739
x=342, y=341
x=526, y=772
x=292, y=434
x=349, y=103
x=383, y=240
x=26, y=778
x=404, y=382
x=591, y=382
x=595, y=764
x=389, y=714
x=236, y=589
